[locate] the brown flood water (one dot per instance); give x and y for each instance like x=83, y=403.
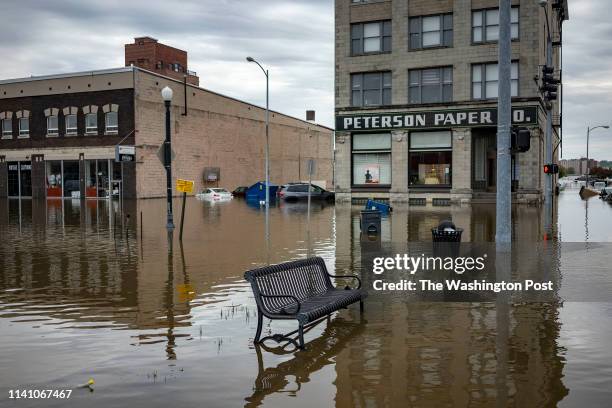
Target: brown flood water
x=82, y=295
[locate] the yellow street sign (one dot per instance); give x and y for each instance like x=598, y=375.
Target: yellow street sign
x=184, y=186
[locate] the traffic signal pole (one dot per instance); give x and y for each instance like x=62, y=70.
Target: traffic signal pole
x=503, y=227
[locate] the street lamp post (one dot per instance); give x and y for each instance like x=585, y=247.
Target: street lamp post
x=548, y=190
x=166, y=94
x=588, y=169
x=267, y=74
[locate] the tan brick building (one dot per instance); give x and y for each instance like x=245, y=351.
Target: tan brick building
x=415, y=96
x=59, y=135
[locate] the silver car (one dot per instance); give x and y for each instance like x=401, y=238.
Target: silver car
x=299, y=191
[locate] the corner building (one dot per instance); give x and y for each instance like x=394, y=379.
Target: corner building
x=416, y=98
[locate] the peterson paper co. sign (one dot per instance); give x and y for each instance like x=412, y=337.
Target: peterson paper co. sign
x=433, y=119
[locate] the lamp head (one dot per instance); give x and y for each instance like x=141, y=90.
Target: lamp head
x=542, y=3
x=250, y=59
x=166, y=94
x=606, y=127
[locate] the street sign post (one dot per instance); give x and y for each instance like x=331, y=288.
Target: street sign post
x=183, y=186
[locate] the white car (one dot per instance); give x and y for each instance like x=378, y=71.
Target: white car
x=215, y=194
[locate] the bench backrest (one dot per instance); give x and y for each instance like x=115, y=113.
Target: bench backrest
x=302, y=279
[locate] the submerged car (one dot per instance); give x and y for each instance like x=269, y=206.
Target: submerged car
x=299, y=191
x=240, y=191
x=215, y=194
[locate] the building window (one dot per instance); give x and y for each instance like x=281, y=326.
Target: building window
x=431, y=31
x=91, y=123
x=371, y=89
x=7, y=128
x=111, y=122
x=52, y=125
x=485, y=80
x=371, y=37
x=71, y=125
x=371, y=156
x=485, y=25
x=431, y=85
x=430, y=159
x=24, y=127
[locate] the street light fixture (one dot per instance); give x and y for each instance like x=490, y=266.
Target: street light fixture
x=266, y=73
x=587, y=155
x=166, y=94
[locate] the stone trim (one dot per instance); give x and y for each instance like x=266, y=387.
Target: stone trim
x=70, y=110
x=22, y=114
x=111, y=107
x=51, y=112
x=90, y=109
x=6, y=115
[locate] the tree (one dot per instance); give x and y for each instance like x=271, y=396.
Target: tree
x=601, y=172
x=571, y=170
x=562, y=172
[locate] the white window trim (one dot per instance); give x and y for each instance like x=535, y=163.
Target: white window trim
x=91, y=130
x=71, y=131
x=53, y=132
x=111, y=130
x=6, y=135
x=22, y=134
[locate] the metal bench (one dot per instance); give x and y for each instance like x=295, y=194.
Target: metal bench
x=300, y=290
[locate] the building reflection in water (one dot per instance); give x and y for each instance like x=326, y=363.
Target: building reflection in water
x=81, y=264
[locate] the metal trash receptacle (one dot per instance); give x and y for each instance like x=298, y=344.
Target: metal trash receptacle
x=370, y=221
x=446, y=232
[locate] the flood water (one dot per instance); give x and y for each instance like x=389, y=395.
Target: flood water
x=86, y=292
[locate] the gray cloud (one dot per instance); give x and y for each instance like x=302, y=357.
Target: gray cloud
x=294, y=39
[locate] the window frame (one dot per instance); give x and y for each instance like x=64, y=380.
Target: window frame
x=111, y=130
x=383, y=24
x=442, y=83
x=484, y=25
x=362, y=89
x=88, y=129
x=443, y=30
x=483, y=81
x=6, y=134
x=71, y=131
x=53, y=132
x=385, y=151
x=23, y=133
x=437, y=150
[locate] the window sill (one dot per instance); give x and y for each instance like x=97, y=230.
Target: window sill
x=366, y=54
x=111, y=133
x=368, y=187
x=23, y=137
x=91, y=133
x=71, y=134
x=7, y=137
x=52, y=135
x=492, y=42
x=436, y=47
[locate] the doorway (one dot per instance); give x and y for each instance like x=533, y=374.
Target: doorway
x=20, y=179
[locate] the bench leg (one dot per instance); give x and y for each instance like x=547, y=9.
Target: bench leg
x=301, y=336
x=361, y=306
x=259, y=326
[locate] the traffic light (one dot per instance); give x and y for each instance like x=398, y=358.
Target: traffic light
x=551, y=168
x=521, y=139
x=550, y=85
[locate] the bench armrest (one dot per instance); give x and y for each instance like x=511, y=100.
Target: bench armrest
x=347, y=276
x=299, y=305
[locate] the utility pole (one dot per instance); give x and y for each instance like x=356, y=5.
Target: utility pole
x=503, y=227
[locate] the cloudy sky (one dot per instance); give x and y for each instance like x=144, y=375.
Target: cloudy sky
x=293, y=38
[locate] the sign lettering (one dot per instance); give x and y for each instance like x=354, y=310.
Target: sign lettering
x=523, y=116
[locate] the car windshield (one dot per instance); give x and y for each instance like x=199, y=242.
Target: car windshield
x=219, y=190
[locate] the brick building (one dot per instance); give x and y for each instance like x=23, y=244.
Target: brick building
x=148, y=53
x=416, y=88
x=59, y=135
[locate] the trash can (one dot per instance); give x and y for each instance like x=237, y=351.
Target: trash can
x=370, y=222
x=446, y=232
x=375, y=205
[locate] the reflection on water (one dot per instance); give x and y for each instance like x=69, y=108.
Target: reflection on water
x=86, y=291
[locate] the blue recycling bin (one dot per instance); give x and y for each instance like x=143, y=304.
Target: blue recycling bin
x=384, y=209
x=258, y=191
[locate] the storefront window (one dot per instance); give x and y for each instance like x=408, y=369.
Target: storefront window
x=430, y=159
x=54, y=178
x=103, y=180
x=372, y=159
x=71, y=179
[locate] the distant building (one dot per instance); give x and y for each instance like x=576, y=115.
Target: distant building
x=579, y=166
x=149, y=54
x=416, y=97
